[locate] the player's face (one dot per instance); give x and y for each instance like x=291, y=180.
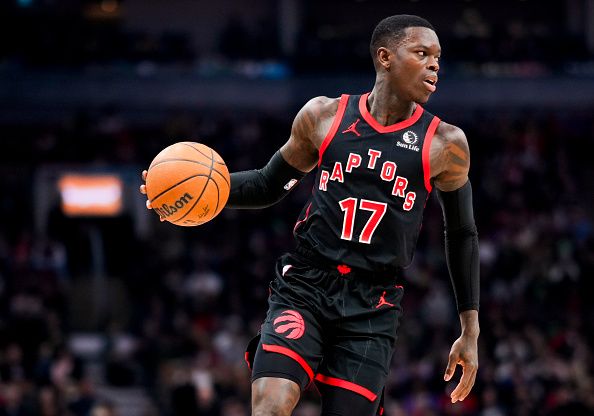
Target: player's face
x=414, y=64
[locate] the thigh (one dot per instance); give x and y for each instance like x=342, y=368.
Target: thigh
x=291, y=343
x=358, y=359
x=275, y=396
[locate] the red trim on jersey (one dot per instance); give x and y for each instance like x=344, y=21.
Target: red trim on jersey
x=347, y=385
x=393, y=127
x=291, y=354
x=344, y=98
x=246, y=357
x=304, y=219
x=426, y=147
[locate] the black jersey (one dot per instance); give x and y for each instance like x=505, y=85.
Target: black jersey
x=370, y=190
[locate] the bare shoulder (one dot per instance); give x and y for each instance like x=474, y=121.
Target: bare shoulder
x=449, y=157
x=323, y=103
x=449, y=132
x=310, y=126
x=316, y=112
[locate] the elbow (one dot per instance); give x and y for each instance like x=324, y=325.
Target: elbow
x=465, y=232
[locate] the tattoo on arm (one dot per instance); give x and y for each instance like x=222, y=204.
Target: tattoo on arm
x=450, y=158
x=301, y=150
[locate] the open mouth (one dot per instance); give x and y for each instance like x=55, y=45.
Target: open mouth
x=430, y=83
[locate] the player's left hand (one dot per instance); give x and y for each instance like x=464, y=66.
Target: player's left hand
x=464, y=352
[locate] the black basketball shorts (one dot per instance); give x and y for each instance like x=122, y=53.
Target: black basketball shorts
x=337, y=326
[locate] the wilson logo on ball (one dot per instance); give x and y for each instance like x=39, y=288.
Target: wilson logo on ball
x=290, y=324
x=168, y=210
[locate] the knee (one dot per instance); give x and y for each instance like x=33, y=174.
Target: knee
x=269, y=408
x=267, y=405
x=274, y=397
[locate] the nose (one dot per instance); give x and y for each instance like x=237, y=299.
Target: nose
x=433, y=64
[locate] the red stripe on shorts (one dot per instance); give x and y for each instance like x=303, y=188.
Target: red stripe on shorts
x=368, y=394
x=291, y=354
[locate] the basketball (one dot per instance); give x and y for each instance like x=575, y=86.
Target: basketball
x=187, y=184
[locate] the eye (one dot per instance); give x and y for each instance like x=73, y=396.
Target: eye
x=421, y=53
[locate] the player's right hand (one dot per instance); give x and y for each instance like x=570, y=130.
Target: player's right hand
x=142, y=190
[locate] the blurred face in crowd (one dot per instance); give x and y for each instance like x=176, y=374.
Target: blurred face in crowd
x=101, y=410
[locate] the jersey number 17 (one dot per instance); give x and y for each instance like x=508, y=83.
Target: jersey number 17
x=349, y=206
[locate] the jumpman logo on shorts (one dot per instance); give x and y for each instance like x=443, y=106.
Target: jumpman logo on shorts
x=382, y=301
x=353, y=128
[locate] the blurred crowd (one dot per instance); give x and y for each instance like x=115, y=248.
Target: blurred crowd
x=477, y=38
x=185, y=302
x=167, y=312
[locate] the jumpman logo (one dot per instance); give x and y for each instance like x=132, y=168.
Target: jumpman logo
x=382, y=301
x=353, y=128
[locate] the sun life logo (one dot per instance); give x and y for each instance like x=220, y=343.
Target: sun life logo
x=410, y=137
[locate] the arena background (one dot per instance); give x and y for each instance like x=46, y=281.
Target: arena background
x=106, y=311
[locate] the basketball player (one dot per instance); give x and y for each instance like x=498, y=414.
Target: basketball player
x=335, y=302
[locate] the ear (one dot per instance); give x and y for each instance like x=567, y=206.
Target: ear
x=383, y=57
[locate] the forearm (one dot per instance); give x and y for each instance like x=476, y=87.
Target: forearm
x=461, y=244
x=264, y=187
x=462, y=256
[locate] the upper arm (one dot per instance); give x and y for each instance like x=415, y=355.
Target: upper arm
x=449, y=157
x=309, y=128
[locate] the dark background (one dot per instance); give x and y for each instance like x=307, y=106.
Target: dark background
x=130, y=316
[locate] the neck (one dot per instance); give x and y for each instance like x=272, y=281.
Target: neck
x=386, y=107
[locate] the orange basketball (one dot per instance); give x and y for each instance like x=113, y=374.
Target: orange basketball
x=187, y=184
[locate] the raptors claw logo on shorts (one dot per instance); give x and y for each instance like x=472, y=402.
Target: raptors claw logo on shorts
x=289, y=323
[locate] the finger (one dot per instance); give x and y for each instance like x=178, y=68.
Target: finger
x=451, y=368
x=468, y=385
x=161, y=219
x=455, y=395
x=465, y=385
x=143, y=189
x=148, y=204
x=144, y=173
